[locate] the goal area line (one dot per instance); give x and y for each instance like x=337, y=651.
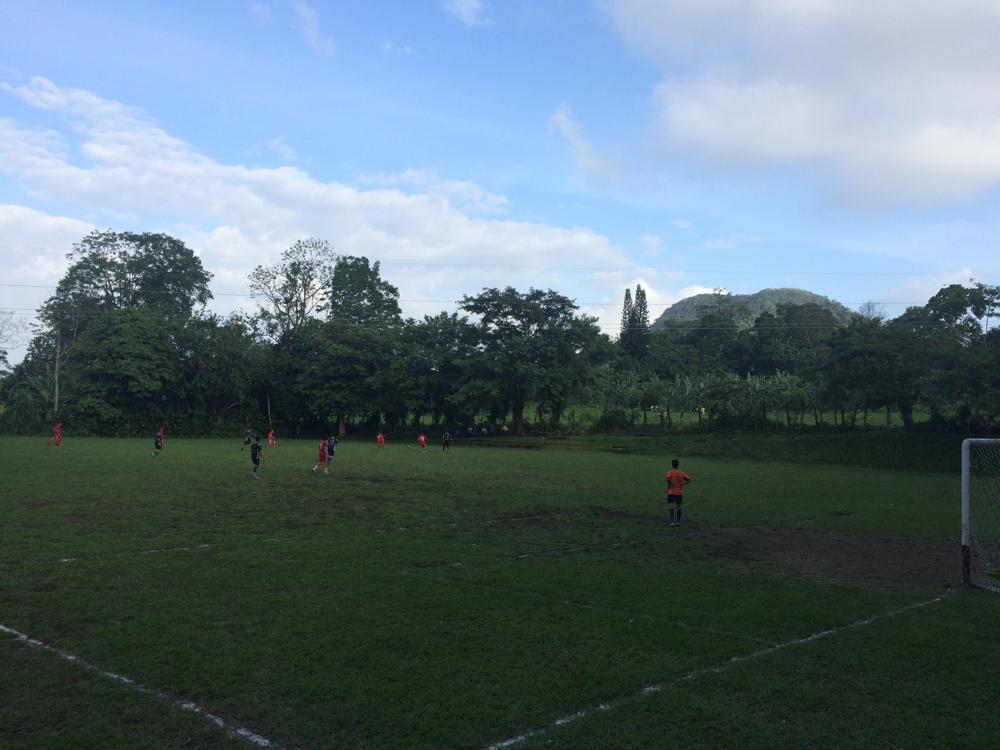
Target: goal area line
x=612, y=704
x=240, y=732
x=232, y=729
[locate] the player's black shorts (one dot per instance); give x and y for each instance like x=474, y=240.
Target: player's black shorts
x=255, y=463
x=675, y=499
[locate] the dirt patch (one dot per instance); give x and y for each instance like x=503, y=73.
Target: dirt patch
x=624, y=515
x=883, y=562
x=527, y=518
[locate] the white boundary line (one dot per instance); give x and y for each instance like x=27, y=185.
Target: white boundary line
x=230, y=728
x=657, y=687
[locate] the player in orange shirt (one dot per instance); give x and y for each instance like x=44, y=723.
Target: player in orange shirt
x=676, y=481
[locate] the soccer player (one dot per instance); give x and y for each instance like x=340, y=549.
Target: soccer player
x=256, y=449
x=157, y=442
x=248, y=437
x=331, y=448
x=380, y=439
x=321, y=458
x=446, y=441
x=271, y=442
x=163, y=434
x=676, y=481
x=56, y=434
x=422, y=441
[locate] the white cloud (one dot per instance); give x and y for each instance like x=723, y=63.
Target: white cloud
x=33, y=251
x=465, y=195
x=468, y=12
x=282, y=149
x=586, y=156
x=887, y=103
x=683, y=224
x=658, y=298
x=437, y=239
x=395, y=48
x=731, y=241
x=651, y=243
x=307, y=21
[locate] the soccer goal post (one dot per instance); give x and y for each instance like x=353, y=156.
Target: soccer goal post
x=981, y=513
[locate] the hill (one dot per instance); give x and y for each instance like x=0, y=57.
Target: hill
x=766, y=300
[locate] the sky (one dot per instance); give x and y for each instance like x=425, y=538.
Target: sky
x=846, y=147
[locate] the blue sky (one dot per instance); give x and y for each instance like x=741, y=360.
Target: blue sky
x=846, y=148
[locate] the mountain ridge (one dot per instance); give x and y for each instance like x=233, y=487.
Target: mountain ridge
x=756, y=304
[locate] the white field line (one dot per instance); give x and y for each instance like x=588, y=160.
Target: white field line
x=734, y=661
x=583, y=605
x=230, y=728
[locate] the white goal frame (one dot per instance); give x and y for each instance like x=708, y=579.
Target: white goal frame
x=969, y=575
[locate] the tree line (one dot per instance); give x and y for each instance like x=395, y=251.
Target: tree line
x=126, y=343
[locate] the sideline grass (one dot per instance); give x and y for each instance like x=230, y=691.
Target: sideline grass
x=429, y=599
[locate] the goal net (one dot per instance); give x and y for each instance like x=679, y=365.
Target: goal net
x=981, y=513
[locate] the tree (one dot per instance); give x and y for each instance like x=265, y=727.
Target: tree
x=358, y=295
x=640, y=324
x=128, y=271
x=118, y=271
x=439, y=352
x=9, y=327
x=633, y=337
x=295, y=287
x=530, y=338
x=625, y=331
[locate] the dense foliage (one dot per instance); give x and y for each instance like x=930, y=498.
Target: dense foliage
x=125, y=345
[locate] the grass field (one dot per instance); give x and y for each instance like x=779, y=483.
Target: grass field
x=482, y=597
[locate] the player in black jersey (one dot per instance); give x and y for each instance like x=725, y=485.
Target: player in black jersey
x=331, y=448
x=256, y=449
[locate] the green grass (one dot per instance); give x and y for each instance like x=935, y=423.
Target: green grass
x=419, y=600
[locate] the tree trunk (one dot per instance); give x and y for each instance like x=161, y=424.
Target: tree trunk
x=888, y=415
x=55, y=390
x=341, y=425
x=906, y=413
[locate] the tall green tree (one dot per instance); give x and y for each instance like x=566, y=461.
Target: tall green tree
x=358, y=295
x=529, y=338
x=295, y=288
x=625, y=329
x=118, y=271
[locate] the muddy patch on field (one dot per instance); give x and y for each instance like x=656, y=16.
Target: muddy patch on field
x=625, y=515
x=527, y=518
x=851, y=559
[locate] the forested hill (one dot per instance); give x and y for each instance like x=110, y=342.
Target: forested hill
x=754, y=305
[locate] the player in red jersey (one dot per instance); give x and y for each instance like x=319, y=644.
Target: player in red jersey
x=56, y=434
x=380, y=439
x=676, y=481
x=422, y=441
x=271, y=441
x=321, y=458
